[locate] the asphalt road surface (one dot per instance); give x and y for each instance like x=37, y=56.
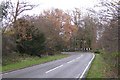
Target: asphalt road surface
x=73, y=66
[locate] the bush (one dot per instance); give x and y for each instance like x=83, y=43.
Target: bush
x=8, y=44
x=34, y=45
x=97, y=51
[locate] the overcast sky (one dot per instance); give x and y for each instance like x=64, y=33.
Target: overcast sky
x=61, y=4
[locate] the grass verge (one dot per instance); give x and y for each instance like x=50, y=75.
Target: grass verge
x=31, y=61
x=98, y=69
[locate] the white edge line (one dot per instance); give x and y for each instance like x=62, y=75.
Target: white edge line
x=86, y=67
x=53, y=69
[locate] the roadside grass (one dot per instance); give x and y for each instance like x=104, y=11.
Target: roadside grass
x=30, y=61
x=111, y=58
x=98, y=69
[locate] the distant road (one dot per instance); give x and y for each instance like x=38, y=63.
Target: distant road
x=73, y=66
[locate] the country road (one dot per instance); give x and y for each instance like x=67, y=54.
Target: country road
x=73, y=66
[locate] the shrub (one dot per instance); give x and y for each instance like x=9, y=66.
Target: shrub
x=33, y=44
x=8, y=44
x=97, y=51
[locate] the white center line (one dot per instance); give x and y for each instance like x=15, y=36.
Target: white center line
x=74, y=59
x=53, y=69
x=61, y=65
x=78, y=57
x=71, y=61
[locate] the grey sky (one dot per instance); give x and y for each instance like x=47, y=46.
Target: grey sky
x=61, y=4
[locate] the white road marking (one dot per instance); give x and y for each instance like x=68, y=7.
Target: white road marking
x=78, y=58
x=77, y=76
x=86, y=67
x=53, y=69
x=62, y=65
x=81, y=55
x=74, y=59
x=71, y=61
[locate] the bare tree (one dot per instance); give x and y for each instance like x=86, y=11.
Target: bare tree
x=20, y=8
x=14, y=11
x=107, y=10
x=76, y=17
